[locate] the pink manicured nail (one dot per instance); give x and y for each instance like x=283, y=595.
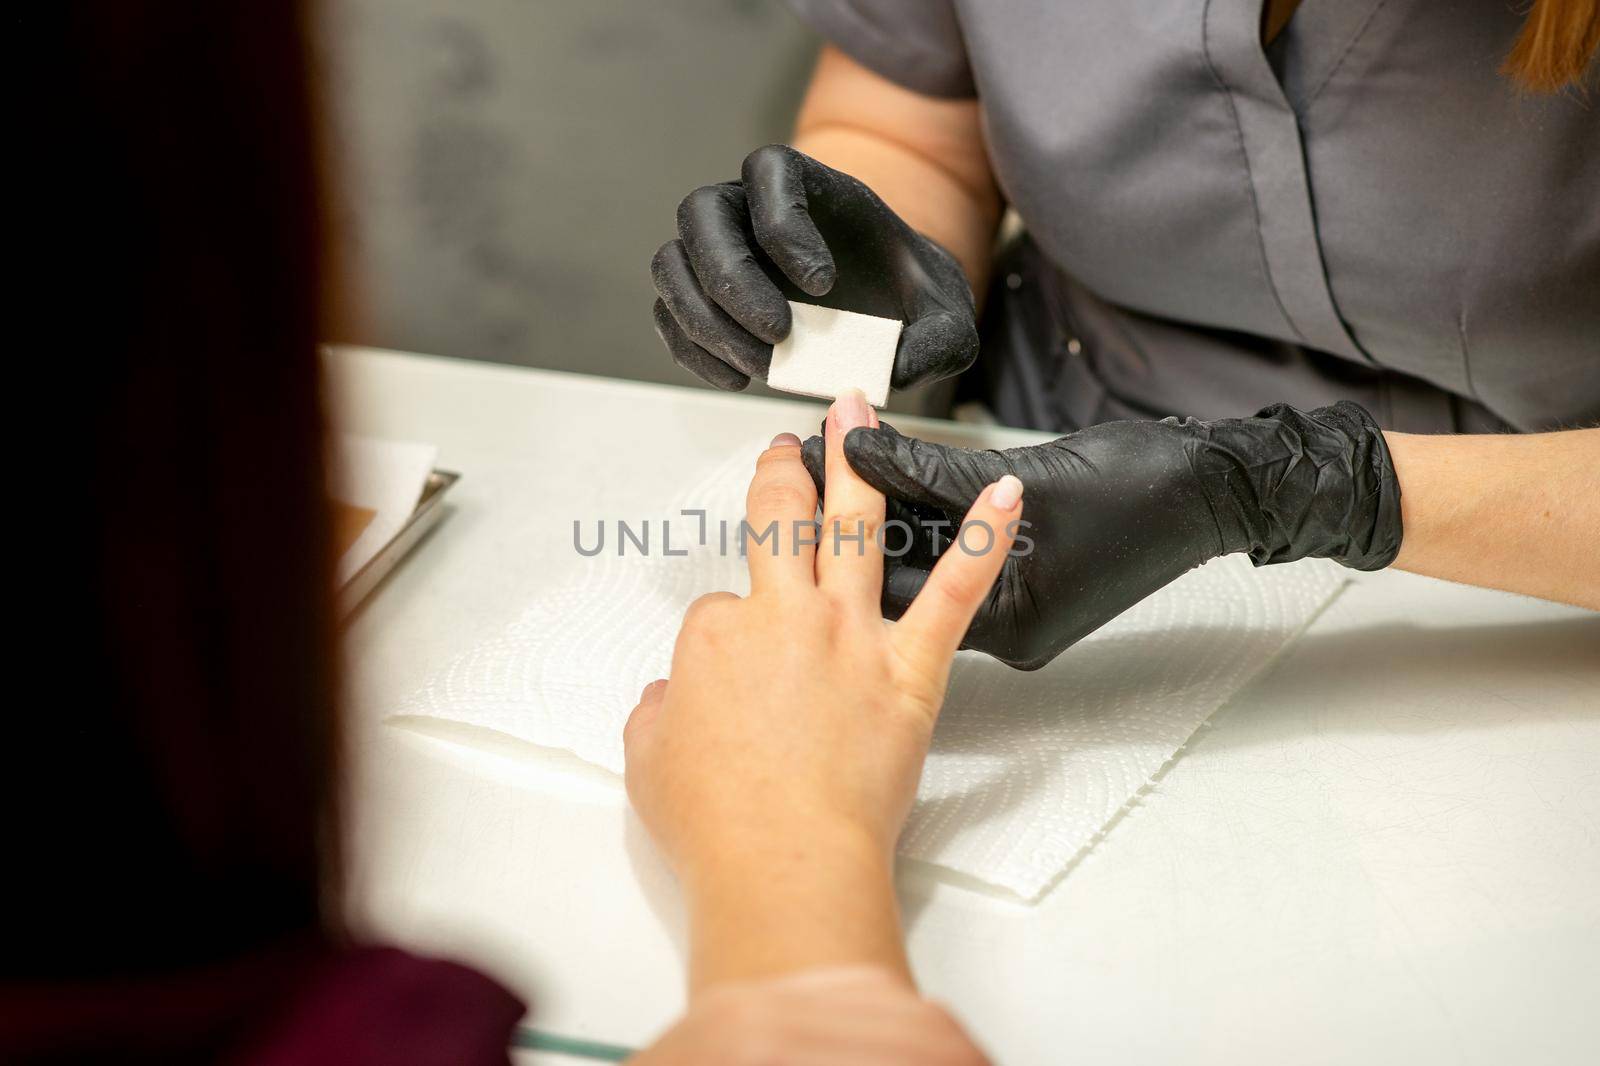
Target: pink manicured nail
x=850, y=410
x=1007, y=492
x=785, y=440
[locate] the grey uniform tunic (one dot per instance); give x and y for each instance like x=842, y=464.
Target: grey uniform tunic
x=1365, y=209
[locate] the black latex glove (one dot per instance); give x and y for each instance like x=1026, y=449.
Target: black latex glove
x=793, y=228
x=1118, y=510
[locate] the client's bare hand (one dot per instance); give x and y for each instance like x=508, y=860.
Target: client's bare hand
x=776, y=768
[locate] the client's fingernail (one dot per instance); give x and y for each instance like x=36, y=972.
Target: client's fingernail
x=785, y=440
x=850, y=410
x=1007, y=492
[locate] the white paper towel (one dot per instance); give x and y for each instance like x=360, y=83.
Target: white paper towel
x=1026, y=769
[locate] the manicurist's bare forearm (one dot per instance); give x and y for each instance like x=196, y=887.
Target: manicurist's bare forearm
x=791, y=901
x=924, y=157
x=1520, y=513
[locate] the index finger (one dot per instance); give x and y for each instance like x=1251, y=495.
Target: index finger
x=937, y=620
x=779, y=540
x=714, y=226
x=775, y=186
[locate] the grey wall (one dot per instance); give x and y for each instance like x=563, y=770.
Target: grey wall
x=507, y=167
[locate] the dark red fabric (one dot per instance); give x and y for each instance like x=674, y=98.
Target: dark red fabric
x=307, y=1004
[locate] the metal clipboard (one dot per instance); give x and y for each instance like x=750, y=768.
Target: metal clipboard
x=424, y=517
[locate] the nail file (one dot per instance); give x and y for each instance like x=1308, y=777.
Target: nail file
x=829, y=352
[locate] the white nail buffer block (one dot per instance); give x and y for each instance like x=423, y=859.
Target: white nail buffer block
x=829, y=352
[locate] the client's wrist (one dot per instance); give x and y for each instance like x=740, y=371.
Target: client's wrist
x=728, y=856
x=801, y=895
x=789, y=821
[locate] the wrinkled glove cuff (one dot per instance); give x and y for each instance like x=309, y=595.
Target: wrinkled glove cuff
x=1375, y=531
x=1305, y=484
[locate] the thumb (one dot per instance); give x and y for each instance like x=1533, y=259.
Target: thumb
x=814, y=454
x=934, y=475
x=934, y=346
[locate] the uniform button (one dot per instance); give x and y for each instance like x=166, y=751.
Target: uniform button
x=1074, y=347
x=1013, y=282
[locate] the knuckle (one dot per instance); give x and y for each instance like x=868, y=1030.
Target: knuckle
x=705, y=612
x=778, y=456
x=852, y=527
x=929, y=466
x=781, y=496
x=707, y=603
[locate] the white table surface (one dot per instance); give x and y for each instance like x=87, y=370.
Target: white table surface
x=1387, y=848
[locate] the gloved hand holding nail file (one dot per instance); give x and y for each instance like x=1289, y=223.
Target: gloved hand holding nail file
x=1120, y=509
x=791, y=228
